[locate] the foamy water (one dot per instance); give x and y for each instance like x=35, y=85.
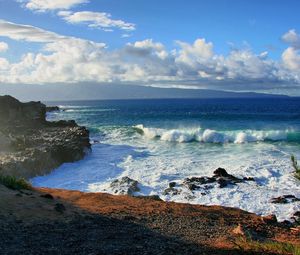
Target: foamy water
x=157, y=143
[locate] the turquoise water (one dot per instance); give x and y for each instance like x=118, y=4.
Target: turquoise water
x=158, y=141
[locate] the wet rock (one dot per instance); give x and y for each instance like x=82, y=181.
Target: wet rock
x=248, y=179
x=222, y=183
x=200, y=180
x=285, y=199
x=296, y=217
x=297, y=214
x=222, y=173
x=171, y=191
x=192, y=186
x=172, y=184
x=124, y=186
x=220, y=176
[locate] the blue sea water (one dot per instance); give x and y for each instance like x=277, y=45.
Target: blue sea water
x=158, y=141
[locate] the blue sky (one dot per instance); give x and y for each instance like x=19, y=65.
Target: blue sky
x=206, y=44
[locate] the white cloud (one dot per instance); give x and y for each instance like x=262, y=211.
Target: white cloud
x=291, y=59
x=100, y=20
x=71, y=60
x=198, y=52
x=48, y=5
x=27, y=33
x=292, y=38
x=146, y=48
x=291, y=56
x=3, y=46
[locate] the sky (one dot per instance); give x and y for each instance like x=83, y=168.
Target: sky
x=231, y=45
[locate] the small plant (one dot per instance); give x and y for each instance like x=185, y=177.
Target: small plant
x=267, y=247
x=12, y=182
x=296, y=167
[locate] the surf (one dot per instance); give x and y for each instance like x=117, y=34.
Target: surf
x=186, y=135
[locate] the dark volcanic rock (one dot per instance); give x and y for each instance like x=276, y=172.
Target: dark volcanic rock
x=52, y=108
x=125, y=186
x=172, y=191
x=172, y=184
x=13, y=111
x=34, y=146
x=220, y=176
x=285, y=199
x=296, y=217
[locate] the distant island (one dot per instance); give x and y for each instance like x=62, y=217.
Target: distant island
x=91, y=91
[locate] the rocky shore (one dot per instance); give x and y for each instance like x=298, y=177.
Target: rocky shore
x=30, y=145
x=53, y=221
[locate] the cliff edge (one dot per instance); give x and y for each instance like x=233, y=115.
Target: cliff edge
x=30, y=145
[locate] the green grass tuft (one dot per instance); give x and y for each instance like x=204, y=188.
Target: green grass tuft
x=295, y=166
x=12, y=182
x=268, y=247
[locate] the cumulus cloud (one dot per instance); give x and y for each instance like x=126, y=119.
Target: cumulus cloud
x=291, y=59
x=291, y=56
x=100, y=20
x=3, y=46
x=146, y=62
x=146, y=48
x=48, y=5
x=292, y=38
x=198, y=52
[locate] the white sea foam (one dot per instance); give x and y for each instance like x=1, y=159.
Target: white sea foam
x=154, y=163
x=156, y=156
x=212, y=136
x=87, y=110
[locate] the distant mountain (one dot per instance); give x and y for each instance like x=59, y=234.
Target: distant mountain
x=50, y=92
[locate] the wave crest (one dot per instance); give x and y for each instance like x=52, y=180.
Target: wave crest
x=213, y=136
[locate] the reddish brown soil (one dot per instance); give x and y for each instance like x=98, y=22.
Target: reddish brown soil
x=73, y=222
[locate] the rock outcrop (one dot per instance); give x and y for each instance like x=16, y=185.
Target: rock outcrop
x=30, y=145
x=52, y=108
x=124, y=186
x=220, y=178
x=285, y=199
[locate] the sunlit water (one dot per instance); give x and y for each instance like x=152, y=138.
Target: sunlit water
x=159, y=141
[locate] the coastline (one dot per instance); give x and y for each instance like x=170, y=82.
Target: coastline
x=45, y=145
x=34, y=146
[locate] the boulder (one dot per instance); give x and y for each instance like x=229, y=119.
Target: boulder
x=124, y=186
x=171, y=191
x=285, y=199
x=220, y=176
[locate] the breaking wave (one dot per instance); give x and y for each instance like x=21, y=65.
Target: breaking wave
x=213, y=136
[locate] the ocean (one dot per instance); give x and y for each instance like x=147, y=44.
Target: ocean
x=160, y=141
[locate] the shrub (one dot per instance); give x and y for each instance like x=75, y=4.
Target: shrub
x=296, y=167
x=12, y=182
